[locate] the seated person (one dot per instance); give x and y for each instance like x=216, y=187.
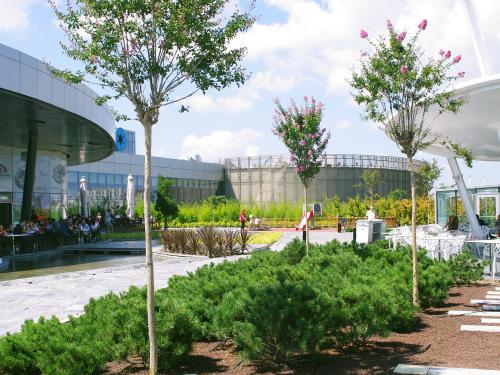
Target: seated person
x=480, y=221
x=18, y=229
x=452, y=223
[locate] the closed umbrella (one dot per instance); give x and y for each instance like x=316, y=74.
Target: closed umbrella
x=84, y=206
x=130, y=197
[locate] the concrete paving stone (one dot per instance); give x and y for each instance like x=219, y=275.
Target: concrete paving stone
x=484, y=302
x=427, y=370
x=480, y=328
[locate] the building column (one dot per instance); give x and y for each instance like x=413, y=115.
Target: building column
x=29, y=175
x=462, y=190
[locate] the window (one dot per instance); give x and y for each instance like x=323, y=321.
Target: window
x=102, y=180
x=110, y=180
x=91, y=181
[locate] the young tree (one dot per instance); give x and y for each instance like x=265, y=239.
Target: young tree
x=397, y=88
x=164, y=202
x=154, y=53
x=426, y=176
x=370, y=178
x=299, y=129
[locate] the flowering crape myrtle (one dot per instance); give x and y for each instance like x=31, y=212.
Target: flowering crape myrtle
x=397, y=87
x=300, y=131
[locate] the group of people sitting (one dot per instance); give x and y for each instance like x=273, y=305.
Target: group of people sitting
x=44, y=234
x=453, y=223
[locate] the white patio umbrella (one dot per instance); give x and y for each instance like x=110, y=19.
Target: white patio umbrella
x=130, y=197
x=84, y=205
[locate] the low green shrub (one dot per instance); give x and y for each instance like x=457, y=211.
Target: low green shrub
x=280, y=319
x=113, y=327
x=272, y=305
x=466, y=268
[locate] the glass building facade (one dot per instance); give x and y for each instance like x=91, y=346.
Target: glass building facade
x=109, y=189
x=485, y=200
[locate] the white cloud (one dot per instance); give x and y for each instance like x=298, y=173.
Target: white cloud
x=14, y=14
x=319, y=40
x=342, y=124
x=221, y=143
x=206, y=103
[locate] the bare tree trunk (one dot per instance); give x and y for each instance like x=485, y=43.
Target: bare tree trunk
x=414, y=232
x=307, y=226
x=153, y=357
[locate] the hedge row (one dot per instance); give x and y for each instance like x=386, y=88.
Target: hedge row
x=272, y=306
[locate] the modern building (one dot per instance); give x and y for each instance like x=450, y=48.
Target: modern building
x=46, y=126
x=107, y=179
x=268, y=179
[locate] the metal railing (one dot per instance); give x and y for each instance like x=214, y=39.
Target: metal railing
x=328, y=160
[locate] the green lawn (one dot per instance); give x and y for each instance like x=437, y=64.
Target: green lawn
x=265, y=237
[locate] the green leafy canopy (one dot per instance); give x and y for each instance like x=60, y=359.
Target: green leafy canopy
x=146, y=50
x=397, y=88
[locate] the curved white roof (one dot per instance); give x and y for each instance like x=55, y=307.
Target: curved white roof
x=477, y=125
x=65, y=116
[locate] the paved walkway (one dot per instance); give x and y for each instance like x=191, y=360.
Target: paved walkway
x=66, y=293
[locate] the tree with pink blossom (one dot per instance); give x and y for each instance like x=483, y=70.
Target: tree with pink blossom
x=299, y=129
x=397, y=87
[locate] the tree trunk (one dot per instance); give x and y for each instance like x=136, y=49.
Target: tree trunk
x=414, y=232
x=307, y=226
x=153, y=359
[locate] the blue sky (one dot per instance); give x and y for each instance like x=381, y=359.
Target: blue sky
x=296, y=48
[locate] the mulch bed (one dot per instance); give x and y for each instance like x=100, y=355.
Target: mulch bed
x=437, y=342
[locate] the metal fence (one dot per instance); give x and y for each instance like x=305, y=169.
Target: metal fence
x=329, y=160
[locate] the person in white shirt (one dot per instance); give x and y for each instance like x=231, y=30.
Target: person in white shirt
x=370, y=214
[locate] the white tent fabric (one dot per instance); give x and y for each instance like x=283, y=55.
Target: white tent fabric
x=130, y=197
x=84, y=204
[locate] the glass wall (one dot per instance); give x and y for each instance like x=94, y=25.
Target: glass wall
x=50, y=175
x=485, y=201
x=109, y=190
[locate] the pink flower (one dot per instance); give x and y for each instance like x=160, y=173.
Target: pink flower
x=306, y=98
x=389, y=24
x=447, y=54
x=309, y=153
x=292, y=158
x=401, y=36
x=403, y=69
x=363, y=34
x=461, y=74
x=422, y=25
x=441, y=52
x=302, y=142
x=457, y=58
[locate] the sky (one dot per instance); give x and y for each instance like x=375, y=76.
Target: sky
x=295, y=48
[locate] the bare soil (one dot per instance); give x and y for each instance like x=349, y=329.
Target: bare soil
x=437, y=341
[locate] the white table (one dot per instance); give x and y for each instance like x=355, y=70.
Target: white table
x=492, y=242
x=14, y=240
